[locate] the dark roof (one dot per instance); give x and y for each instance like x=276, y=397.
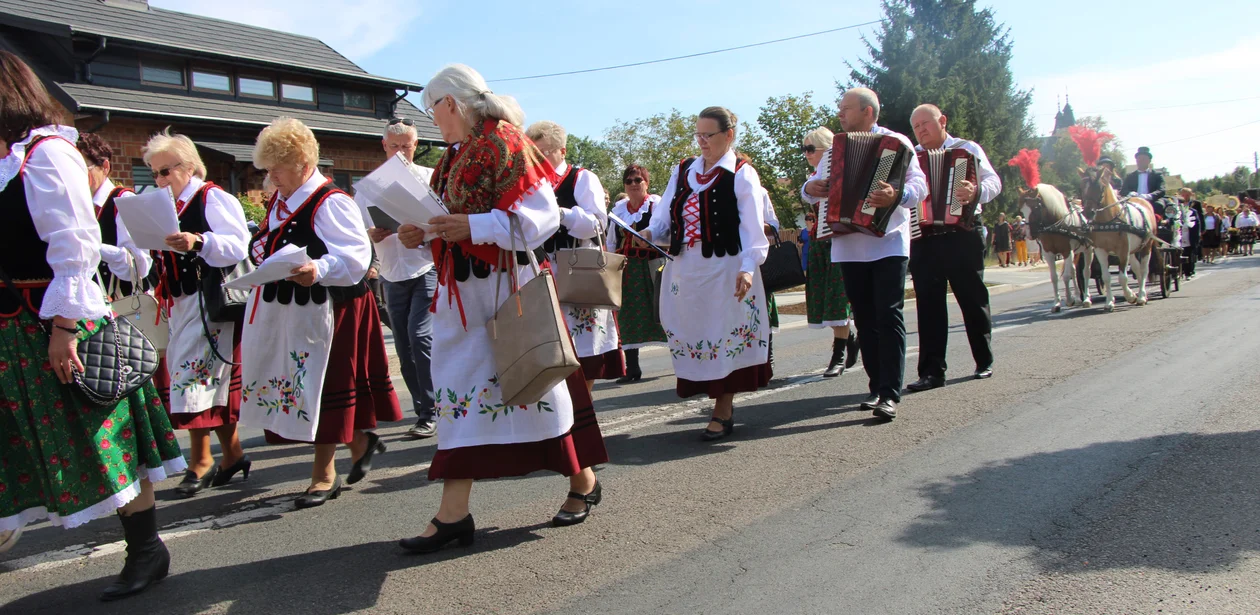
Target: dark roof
x=187, y=33
x=242, y=152
x=185, y=108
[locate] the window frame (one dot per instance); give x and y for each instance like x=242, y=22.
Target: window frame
x=371, y=106
x=156, y=62
x=304, y=84
x=241, y=93
x=223, y=72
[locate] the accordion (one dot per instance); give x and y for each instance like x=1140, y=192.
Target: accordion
x=859, y=162
x=946, y=169
x=824, y=170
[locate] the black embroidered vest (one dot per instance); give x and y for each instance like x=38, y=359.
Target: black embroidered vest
x=299, y=230
x=107, y=218
x=623, y=237
x=180, y=271
x=565, y=197
x=719, y=213
x=23, y=254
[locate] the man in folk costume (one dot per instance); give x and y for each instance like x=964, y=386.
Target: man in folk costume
x=409, y=284
x=120, y=257
x=638, y=321
x=950, y=257
x=314, y=365
x=583, y=216
x=875, y=267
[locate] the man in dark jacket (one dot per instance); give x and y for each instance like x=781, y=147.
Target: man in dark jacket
x=1194, y=219
x=1145, y=183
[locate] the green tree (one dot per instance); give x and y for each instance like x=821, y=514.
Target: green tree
x=953, y=55
x=773, y=146
x=656, y=142
x=1061, y=169
x=595, y=157
x=1240, y=179
x=429, y=156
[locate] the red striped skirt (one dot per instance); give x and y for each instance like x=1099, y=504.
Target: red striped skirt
x=582, y=447
x=217, y=416
x=745, y=380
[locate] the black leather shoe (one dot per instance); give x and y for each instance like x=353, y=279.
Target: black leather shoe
x=424, y=428
x=225, y=476
x=461, y=531
x=926, y=383
x=629, y=378
x=191, y=485
x=981, y=374
x=147, y=562
x=836, y=366
x=885, y=409
x=728, y=428
x=311, y=499
x=869, y=402
x=565, y=518
x=363, y=464
x=852, y=350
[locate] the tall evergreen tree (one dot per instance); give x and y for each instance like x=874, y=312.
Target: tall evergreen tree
x=956, y=56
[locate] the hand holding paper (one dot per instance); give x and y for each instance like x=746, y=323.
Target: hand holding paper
x=150, y=218
x=278, y=266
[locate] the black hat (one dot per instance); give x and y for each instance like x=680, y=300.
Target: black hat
x=1143, y=151
x=1106, y=160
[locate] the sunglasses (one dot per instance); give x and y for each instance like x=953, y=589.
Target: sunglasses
x=633, y=180
x=405, y=121
x=167, y=171
x=808, y=149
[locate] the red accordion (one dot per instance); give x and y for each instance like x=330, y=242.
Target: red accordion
x=946, y=170
x=859, y=162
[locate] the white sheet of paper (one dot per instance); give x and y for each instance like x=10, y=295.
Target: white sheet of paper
x=398, y=192
x=277, y=267
x=150, y=218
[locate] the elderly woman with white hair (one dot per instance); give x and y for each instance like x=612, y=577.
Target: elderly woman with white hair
x=826, y=305
x=313, y=358
x=202, y=389
x=491, y=177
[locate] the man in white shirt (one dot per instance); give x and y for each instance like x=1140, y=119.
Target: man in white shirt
x=951, y=257
x=1144, y=183
x=875, y=267
x=410, y=282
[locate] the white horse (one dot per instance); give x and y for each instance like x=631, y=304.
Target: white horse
x=1124, y=228
x=1062, y=231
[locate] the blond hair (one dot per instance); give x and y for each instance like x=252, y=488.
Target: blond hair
x=179, y=146
x=548, y=136
x=820, y=138
x=287, y=141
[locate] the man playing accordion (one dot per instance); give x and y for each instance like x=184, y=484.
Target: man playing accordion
x=948, y=253
x=874, y=263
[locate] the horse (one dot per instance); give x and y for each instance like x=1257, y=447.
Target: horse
x=1125, y=228
x=1063, y=231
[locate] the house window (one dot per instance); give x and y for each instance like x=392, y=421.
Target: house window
x=297, y=92
x=357, y=100
x=162, y=73
x=256, y=86
x=211, y=81
x=141, y=176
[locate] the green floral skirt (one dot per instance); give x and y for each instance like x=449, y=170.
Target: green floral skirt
x=636, y=321
x=773, y=309
x=826, y=305
x=60, y=457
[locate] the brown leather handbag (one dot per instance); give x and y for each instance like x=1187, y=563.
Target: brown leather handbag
x=589, y=276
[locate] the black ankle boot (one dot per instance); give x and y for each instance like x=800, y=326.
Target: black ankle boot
x=836, y=366
x=147, y=562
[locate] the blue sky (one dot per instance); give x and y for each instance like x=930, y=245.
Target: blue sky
x=1122, y=59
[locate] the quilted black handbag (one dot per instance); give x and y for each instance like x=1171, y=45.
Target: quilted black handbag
x=224, y=304
x=782, y=269
x=117, y=358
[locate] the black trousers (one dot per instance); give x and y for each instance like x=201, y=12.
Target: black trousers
x=955, y=260
x=1190, y=256
x=877, y=294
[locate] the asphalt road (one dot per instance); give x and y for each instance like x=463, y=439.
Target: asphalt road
x=1108, y=467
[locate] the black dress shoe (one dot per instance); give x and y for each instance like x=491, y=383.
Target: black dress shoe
x=147, y=561
x=191, y=485
x=311, y=499
x=836, y=366
x=565, y=518
x=225, y=476
x=869, y=402
x=728, y=428
x=981, y=374
x=461, y=531
x=629, y=378
x=885, y=409
x=363, y=464
x=424, y=428
x=926, y=383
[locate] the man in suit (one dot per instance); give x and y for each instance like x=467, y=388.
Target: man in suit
x=1144, y=183
x=1191, y=231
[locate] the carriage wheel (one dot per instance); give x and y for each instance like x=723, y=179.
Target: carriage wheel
x=1164, y=283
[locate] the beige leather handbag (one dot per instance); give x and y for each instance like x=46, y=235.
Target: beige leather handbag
x=141, y=309
x=589, y=277
x=528, y=336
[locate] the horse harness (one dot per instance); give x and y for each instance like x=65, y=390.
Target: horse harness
x=1126, y=225
x=1073, y=226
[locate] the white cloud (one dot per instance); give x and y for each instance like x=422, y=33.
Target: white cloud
x=1165, y=82
x=355, y=28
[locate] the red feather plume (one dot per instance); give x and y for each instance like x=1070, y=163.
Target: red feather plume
x=1089, y=142
x=1027, y=160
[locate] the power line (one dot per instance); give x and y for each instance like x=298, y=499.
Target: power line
x=1206, y=134
x=1194, y=104
x=690, y=55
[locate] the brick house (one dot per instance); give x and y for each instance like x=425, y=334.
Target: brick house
x=126, y=70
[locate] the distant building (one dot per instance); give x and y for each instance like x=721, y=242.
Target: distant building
x=126, y=70
x=1063, y=118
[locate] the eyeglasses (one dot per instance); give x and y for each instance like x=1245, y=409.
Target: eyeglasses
x=633, y=180
x=167, y=171
x=405, y=121
x=808, y=149
x=705, y=136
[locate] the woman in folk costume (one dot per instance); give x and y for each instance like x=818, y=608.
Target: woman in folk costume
x=826, y=305
x=313, y=358
x=490, y=176
x=203, y=393
x=64, y=459
x=638, y=321
x=120, y=258
x=771, y=219
x=713, y=305
x=583, y=215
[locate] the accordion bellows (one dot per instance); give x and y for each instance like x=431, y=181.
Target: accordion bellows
x=946, y=169
x=859, y=161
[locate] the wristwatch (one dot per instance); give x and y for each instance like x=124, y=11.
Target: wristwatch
x=200, y=243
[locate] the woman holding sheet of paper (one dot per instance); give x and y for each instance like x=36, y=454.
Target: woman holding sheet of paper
x=120, y=258
x=202, y=392
x=313, y=357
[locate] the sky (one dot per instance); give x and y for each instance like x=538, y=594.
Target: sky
x=1169, y=75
